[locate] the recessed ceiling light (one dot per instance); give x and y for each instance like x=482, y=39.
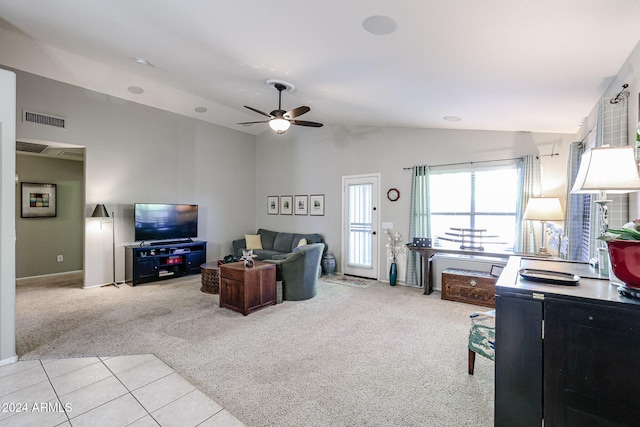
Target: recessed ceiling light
x=379, y=25
x=136, y=90
x=201, y=109
x=452, y=119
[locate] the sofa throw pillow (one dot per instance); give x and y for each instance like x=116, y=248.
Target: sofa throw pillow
x=302, y=242
x=253, y=241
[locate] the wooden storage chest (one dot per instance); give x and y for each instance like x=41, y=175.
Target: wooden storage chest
x=471, y=287
x=245, y=289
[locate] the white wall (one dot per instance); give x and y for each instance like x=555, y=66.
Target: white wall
x=313, y=161
x=135, y=154
x=7, y=217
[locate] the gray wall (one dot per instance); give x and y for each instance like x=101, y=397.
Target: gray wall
x=136, y=153
x=40, y=240
x=313, y=161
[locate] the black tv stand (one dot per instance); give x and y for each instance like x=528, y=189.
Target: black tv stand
x=163, y=260
x=168, y=242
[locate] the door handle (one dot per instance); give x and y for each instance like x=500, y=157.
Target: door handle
x=373, y=232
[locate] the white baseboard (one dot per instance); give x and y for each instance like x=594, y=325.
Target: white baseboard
x=18, y=279
x=12, y=359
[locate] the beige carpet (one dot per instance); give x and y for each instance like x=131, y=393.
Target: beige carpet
x=381, y=356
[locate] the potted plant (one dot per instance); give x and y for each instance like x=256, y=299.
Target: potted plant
x=395, y=247
x=624, y=252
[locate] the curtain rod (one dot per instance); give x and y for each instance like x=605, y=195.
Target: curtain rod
x=621, y=95
x=472, y=163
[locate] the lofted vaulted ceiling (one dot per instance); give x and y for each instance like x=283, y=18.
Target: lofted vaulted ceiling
x=526, y=65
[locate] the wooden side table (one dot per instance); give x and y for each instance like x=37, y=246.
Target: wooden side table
x=210, y=278
x=246, y=289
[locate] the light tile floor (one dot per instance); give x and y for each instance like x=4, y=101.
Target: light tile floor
x=136, y=391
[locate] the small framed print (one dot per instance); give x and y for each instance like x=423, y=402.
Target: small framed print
x=38, y=200
x=316, y=204
x=300, y=205
x=286, y=205
x=496, y=270
x=273, y=204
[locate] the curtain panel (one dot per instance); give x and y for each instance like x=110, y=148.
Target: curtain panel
x=611, y=130
x=574, y=207
x=581, y=215
x=419, y=221
x=529, y=183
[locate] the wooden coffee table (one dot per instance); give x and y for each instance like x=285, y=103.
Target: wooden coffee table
x=246, y=289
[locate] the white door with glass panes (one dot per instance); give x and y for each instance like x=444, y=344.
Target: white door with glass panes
x=360, y=225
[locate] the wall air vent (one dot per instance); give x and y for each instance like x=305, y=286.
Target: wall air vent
x=42, y=119
x=30, y=147
x=75, y=154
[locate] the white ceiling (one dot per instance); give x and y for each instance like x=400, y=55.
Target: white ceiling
x=525, y=65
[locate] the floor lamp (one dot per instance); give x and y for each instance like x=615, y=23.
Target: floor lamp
x=543, y=209
x=100, y=211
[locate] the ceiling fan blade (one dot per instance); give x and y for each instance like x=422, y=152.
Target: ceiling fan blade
x=296, y=112
x=257, y=111
x=250, y=123
x=306, y=123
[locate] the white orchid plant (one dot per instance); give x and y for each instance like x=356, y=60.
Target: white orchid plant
x=394, y=244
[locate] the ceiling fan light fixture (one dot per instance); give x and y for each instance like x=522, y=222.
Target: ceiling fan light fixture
x=279, y=125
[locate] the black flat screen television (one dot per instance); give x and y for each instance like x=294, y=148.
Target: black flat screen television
x=157, y=221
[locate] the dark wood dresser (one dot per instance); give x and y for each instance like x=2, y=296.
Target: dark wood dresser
x=246, y=289
x=565, y=355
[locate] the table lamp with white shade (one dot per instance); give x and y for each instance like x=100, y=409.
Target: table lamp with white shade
x=607, y=170
x=543, y=209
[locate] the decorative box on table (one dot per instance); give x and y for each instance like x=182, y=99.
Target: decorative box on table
x=422, y=242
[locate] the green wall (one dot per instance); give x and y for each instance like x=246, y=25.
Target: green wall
x=40, y=240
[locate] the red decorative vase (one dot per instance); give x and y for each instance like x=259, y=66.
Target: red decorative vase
x=625, y=261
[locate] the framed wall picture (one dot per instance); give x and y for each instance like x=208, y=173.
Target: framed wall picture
x=286, y=205
x=38, y=200
x=316, y=204
x=300, y=205
x=273, y=205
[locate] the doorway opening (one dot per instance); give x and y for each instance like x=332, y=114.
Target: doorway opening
x=56, y=240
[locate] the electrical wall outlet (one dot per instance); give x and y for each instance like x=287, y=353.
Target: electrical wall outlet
x=60, y=258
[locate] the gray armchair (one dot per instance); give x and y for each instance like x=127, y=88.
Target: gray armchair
x=299, y=272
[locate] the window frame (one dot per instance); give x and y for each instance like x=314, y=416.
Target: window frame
x=473, y=213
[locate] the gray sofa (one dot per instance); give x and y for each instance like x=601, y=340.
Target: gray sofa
x=275, y=244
